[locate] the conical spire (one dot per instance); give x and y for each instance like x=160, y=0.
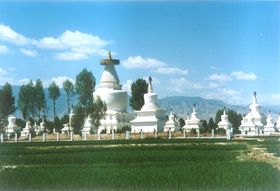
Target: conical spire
x=150, y=87
x=255, y=98
x=194, y=109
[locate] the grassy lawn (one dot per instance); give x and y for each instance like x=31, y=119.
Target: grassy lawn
x=137, y=165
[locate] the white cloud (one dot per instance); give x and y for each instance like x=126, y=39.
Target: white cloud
x=157, y=66
x=182, y=84
x=4, y=49
x=70, y=39
x=74, y=45
x=24, y=81
x=220, y=77
x=240, y=75
x=9, y=35
x=227, y=95
x=71, y=56
x=58, y=80
x=3, y=71
x=143, y=63
x=171, y=70
x=30, y=53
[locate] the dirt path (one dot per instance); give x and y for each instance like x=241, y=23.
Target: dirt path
x=257, y=153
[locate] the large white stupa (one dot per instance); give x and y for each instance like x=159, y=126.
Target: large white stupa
x=253, y=122
x=110, y=90
x=192, y=122
x=151, y=117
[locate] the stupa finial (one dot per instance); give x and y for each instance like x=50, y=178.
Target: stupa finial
x=224, y=110
x=109, y=55
x=150, y=87
x=255, y=97
x=194, y=108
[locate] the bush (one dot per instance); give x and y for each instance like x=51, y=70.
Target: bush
x=124, y=129
x=193, y=132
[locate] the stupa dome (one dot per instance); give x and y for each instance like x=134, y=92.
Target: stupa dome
x=109, y=89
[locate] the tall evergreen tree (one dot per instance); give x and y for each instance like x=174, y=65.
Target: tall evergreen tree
x=54, y=93
x=211, y=124
x=31, y=95
x=23, y=102
x=40, y=99
x=138, y=89
x=85, y=84
x=7, y=103
x=98, y=111
x=68, y=87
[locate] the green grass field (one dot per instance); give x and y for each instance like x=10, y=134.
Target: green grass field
x=139, y=165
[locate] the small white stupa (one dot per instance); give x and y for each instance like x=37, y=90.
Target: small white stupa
x=43, y=125
x=88, y=127
x=116, y=99
x=26, y=130
x=151, y=117
x=269, y=128
x=12, y=127
x=36, y=128
x=192, y=122
x=253, y=122
x=224, y=123
x=171, y=125
x=67, y=128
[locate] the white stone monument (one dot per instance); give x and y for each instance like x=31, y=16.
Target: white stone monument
x=88, y=127
x=171, y=124
x=12, y=127
x=253, y=123
x=269, y=128
x=116, y=99
x=151, y=117
x=226, y=125
x=192, y=122
x=27, y=129
x=43, y=126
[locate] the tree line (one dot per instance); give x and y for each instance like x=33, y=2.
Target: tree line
x=32, y=102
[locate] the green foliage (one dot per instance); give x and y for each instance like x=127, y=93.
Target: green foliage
x=20, y=123
x=58, y=124
x=193, y=132
x=40, y=98
x=138, y=89
x=54, y=93
x=78, y=119
x=85, y=84
x=211, y=124
x=124, y=129
x=7, y=101
x=204, y=126
x=233, y=117
x=32, y=101
x=98, y=111
x=182, y=122
x=68, y=87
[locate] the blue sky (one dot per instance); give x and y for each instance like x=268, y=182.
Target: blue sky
x=216, y=50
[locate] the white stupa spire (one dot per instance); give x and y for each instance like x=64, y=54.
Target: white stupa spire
x=255, y=98
x=150, y=87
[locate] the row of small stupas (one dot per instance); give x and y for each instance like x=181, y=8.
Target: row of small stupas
x=151, y=118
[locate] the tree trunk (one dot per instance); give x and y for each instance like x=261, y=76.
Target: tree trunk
x=53, y=114
x=68, y=103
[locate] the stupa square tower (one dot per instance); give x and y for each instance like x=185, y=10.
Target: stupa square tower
x=110, y=90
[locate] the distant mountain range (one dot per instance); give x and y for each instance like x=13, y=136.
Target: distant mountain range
x=181, y=105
